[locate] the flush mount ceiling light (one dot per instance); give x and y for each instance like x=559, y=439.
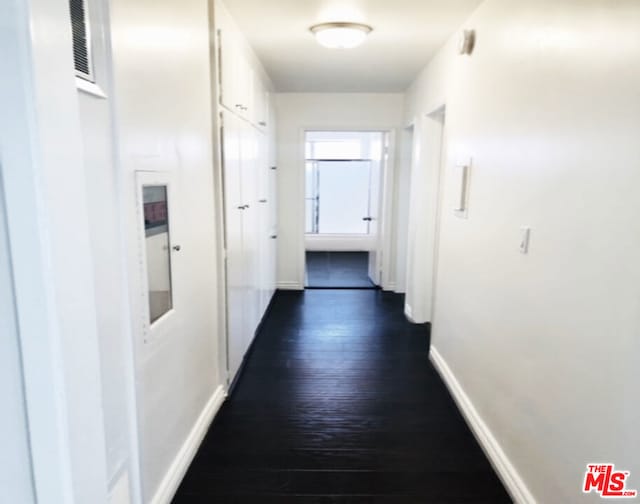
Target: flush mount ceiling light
x=340, y=35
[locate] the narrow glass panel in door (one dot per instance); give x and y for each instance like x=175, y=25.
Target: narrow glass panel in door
x=158, y=253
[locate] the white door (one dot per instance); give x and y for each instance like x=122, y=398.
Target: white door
x=339, y=182
x=378, y=169
x=161, y=246
x=233, y=209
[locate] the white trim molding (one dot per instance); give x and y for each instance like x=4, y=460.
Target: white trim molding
x=513, y=482
x=391, y=287
x=289, y=285
x=171, y=481
x=340, y=242
x=408, y=312
x=90, y=88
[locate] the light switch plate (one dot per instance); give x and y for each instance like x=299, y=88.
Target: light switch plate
x=461, y=180
x=525, y=237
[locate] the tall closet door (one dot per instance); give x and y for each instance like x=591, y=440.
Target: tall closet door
x=235, y=267
x=264, y=218
x=250, y=230
x=272, y=231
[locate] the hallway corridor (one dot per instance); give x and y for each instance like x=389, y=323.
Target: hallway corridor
x=339, y=403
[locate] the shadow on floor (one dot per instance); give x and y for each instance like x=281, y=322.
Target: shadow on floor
x=338, y=270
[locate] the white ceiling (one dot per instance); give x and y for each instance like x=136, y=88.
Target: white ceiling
x=406, y=34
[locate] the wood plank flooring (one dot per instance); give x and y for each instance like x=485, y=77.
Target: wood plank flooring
x=338, y=403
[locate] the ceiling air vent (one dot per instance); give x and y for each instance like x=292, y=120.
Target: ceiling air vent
x=81, y=39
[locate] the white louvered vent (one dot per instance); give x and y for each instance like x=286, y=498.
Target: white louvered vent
x=81, y=39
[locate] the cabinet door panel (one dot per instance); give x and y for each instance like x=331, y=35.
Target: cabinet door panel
x=251, y=226
x=264, y=221
x=234, y=244
x=260, y=100
x=227, y=68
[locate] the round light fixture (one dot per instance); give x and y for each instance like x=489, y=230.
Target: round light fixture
x=340, y=35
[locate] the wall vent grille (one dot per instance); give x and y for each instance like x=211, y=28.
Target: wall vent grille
x=81, y=39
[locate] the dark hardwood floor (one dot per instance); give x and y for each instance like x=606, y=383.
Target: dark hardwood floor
x=338, y=270
x=338, y=403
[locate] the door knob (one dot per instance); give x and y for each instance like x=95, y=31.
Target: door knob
x=177, y=248
x=368, y=219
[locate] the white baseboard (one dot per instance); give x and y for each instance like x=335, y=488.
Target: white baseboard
x=178, y=469
x=119, y=491
x=499, y=460
x=290, y=286
x=408, y=312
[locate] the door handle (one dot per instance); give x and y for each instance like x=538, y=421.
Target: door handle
x=273, y=237
x=368, y=219
x=262, y=201
x=177, y=248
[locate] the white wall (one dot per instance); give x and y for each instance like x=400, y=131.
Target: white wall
x=104, y=186
x=163, y=117
x=544, y=345
x=49, y=239
x=15, y=460
x=297, y=112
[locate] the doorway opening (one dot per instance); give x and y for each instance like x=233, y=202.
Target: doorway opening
x=343, y=179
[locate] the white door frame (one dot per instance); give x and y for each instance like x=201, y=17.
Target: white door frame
x=49, y=239
x=428, y=154
x=386, y=209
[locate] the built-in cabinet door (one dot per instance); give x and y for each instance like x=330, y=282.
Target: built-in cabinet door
x=243, y=227
x=251, y=227
x=227, y=63
x=265, y=220
x=241, y=88
x=260, y=105
x=236, y=76
x=272, y=230
x=235, y=268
